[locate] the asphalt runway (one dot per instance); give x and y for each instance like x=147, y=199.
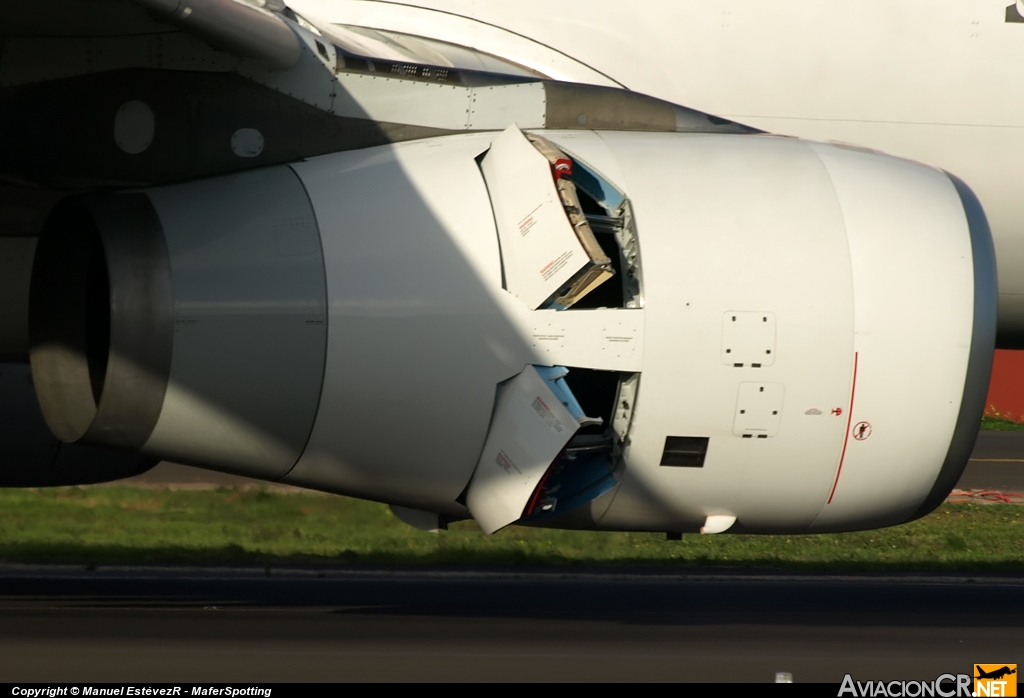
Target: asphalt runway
x=435, y=625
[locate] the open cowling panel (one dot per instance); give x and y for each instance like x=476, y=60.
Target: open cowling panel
x=567, y=242
x=564, y=231
x=548, y=452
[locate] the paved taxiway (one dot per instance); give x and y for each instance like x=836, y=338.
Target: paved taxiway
x=997, y=463
x=243, y=626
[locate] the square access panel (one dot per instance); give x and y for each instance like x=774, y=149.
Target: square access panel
x=758, y=410
x=685, y=451
x=748, y=339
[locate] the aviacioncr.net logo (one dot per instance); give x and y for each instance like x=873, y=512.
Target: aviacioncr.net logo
x=944, y=686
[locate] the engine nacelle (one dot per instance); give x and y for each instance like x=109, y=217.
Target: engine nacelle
x=779, y=335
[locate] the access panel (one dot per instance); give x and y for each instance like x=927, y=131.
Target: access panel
x=530, y=428
x=549, y=254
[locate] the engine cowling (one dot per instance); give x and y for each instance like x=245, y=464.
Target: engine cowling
x=348, y=324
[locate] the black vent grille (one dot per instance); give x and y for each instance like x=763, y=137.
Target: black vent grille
x=685, y=451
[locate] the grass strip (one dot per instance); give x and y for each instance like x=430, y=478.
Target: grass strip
x=120, y=525
x=998, y=422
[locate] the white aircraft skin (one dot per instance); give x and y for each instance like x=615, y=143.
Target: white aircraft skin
x=930, y=80
x=351, y=321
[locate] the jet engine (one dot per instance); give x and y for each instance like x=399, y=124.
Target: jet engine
x=615, y=330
